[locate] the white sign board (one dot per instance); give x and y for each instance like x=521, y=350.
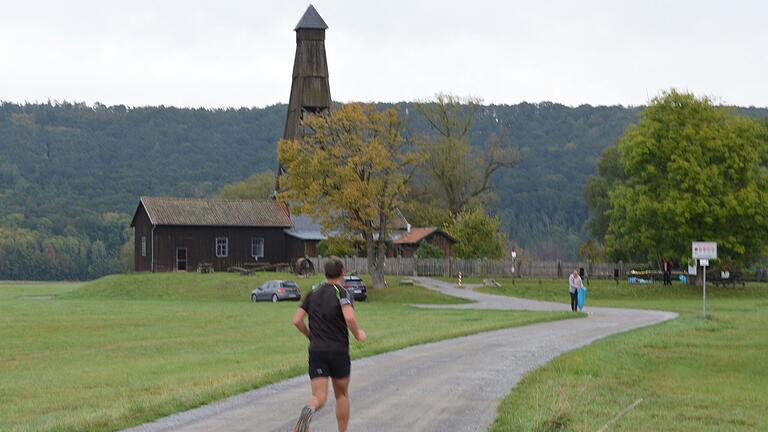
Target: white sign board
x=704, y=250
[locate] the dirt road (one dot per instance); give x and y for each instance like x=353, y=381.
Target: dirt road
x=452, y=385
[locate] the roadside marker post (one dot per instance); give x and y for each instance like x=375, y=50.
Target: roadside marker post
x=704, y=264
x=704, y=251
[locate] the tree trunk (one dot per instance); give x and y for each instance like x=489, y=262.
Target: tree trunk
x=375, y=258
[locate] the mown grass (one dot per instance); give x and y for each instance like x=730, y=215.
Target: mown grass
x=124, y=350
x=692, y=374
x=229, y=287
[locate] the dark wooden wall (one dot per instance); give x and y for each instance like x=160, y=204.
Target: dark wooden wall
x=409, y=250
x=142, y=228
x=200, y=243
x=298, y=248
x=439, y=240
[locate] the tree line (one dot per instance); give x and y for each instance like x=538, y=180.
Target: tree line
x=71, y=174
x=688, y=171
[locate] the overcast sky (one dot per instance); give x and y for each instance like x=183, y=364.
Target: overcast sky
x=228, y=53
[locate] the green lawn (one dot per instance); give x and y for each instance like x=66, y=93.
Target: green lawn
x=692, y=374
x=127, y=349
x=229, y=287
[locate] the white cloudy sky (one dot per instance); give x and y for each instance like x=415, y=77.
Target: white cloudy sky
x=239, y=53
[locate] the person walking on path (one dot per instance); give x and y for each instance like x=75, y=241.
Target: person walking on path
x=331, y=317
x=574, y=283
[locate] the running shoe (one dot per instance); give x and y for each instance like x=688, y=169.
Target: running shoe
x=304, y=418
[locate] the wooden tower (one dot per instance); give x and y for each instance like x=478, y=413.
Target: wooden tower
x=310, y=91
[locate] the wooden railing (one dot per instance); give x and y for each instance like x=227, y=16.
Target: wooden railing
x=477, y=267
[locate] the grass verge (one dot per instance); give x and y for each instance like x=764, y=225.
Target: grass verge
x=692, y=374
x=230, y=287
x=127, y=349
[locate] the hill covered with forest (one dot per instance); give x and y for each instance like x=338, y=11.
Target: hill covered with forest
x=71, y=174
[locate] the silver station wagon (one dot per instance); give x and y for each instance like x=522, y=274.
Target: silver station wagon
x=276, y=290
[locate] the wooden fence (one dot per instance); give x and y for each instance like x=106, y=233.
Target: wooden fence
x=476, y=267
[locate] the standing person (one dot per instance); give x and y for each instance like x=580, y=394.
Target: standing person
x=331, y=318
x=574, y=283
x=669, y=272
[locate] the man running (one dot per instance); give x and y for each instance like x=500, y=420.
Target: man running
x=331, y=317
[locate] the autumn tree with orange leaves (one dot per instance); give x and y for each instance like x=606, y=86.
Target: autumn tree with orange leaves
x=351, y=171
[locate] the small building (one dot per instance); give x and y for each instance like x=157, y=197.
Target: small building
x=407, y=244
x=303, y=237
x=180, y=234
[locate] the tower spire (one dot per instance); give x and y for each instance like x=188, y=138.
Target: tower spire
x=310, y=91
x=311, y=20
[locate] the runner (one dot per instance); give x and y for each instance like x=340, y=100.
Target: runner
x=331, y=318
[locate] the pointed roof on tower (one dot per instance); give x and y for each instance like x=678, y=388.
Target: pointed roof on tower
x=311, y=20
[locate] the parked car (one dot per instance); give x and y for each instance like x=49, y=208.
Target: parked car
x=276, y=290
x=357, y=287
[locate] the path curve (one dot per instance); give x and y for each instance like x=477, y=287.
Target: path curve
x=451, y=385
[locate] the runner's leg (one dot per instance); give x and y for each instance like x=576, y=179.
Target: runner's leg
x=319, y=393
x=316, y=401
x=341, y=392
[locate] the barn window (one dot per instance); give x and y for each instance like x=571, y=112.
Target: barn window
x=143, y=246
x=222, y=247
x=257, y=247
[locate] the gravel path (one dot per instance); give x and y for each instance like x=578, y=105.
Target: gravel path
x=452, y=385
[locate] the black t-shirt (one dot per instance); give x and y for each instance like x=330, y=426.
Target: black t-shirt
x=327, y=328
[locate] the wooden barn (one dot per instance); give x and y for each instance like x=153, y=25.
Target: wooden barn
x=407, y=244
x=180, y=234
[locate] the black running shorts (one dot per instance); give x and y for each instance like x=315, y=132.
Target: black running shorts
x=329, y=364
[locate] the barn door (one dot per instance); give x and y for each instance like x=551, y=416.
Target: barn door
x=181, y=259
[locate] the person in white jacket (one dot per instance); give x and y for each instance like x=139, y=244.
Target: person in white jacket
x=574, y=283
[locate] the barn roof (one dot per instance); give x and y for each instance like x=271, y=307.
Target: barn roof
x=214, y=212
x=418, y=234
x=306, y=228
x=311, y=20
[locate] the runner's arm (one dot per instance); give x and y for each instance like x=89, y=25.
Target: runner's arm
x=349, y=317
x=298, y=321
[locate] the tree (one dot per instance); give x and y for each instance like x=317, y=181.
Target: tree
x=257, y=186
x=421, y=212
x=609, y=172
x=428, y=250
x=351, y=171
x=693, y=172
x=457, y=176
x=478, y=236
x=338, y=246
x=592, y=251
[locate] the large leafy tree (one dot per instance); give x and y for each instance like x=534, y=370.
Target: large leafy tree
x=610, y=171
x=351, y=171
x=693, y=171
x=257, y=186
x=478, y=235
x=456, y=175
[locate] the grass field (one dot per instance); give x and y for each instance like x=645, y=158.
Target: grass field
x=228, y=287
x=127, y=349
x=692, y=374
